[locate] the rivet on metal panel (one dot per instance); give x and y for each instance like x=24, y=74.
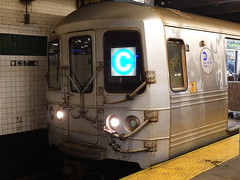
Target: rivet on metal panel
x=150, y=145
x=152, y=116
x=100, y=65
x=100, y=91
x=202, y=43
x=150, y=77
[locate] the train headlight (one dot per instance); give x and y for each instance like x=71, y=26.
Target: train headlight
x=131, y=123
x=60, y=114
x=113, y=122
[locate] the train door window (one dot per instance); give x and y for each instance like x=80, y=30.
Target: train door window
x=177, y=65
x=123, y=61
x=233, y=59
x=54, y=81
x=80, y=52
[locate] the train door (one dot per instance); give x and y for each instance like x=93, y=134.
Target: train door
x=233, y=72
x=82, y=92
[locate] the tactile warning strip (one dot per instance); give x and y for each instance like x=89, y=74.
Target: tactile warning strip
x=193, y=163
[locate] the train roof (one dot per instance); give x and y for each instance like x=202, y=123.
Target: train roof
x=177, y=18
x=112, y=10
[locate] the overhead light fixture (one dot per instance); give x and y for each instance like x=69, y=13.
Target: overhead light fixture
x=26, y=15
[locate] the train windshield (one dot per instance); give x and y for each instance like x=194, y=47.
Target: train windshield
x=80, y=52
x=123, y=62
x=54, y=81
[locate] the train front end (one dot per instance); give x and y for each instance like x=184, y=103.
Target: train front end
x=103, y=86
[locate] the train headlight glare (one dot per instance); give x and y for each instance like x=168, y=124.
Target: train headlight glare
x=131, y=123
x=113, y=122
x=59, y=114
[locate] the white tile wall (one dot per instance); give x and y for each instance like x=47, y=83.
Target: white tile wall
x=22, y=88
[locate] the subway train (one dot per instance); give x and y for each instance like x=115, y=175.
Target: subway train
x=137, y=83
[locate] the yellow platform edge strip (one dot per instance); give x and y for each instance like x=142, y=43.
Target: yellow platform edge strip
x=193, y=163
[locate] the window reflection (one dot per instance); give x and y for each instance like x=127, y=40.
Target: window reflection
x=123, y=61
x=232, y=59
x=80, y=51
x=176, y=62
x=54, y=81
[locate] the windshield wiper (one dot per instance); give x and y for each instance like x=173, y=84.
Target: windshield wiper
x=128, y=96
x=150, y=78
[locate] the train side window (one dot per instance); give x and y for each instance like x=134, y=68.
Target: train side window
x=232, y=51
x=177, y=65
x=80, y=55
x=54, y=80
x=123, y=61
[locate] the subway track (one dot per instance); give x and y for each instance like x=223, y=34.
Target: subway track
x=33, y=161
x=202, y=163
x=217, y=160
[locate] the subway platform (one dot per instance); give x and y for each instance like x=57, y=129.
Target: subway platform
x=219, y=161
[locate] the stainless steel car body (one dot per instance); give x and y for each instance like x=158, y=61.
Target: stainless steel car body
x=185, y=119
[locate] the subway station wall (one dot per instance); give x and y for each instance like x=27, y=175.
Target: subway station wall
x=23, y=61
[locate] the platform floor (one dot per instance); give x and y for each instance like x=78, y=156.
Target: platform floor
x=219, y=160
x=229, y=170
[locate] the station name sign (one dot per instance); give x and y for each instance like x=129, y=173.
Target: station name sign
x=23, y=63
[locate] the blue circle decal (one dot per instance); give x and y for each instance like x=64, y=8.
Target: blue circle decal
x=205, y=57
x=123, y=62
x=207, y=60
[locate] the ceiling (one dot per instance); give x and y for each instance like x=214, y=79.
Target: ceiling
x=222, y=9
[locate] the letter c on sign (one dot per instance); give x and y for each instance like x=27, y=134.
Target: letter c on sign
x=123, y=62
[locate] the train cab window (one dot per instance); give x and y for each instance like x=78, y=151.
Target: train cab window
x=54, y=81
x=177, y=65
x=123, y=61
x=80, y=55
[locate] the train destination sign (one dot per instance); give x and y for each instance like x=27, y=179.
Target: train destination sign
x=123, y=61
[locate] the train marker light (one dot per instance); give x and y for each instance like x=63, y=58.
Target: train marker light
x=131, y=123
x=113, y=122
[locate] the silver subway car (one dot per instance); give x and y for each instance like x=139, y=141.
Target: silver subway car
x=136, y=83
